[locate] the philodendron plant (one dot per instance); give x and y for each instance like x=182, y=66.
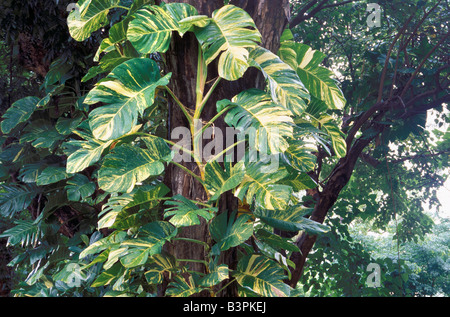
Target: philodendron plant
x=112, y=132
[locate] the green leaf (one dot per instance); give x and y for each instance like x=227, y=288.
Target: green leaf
x=127, y=165
x=108, y=242
x=229, y=233
x=336, y=135
x=65, y=126
x=126, y=92
x=150, y=240
x=291, y=219
x=180, y=287
x=286, y=36
x=262, y=276
x=218, y=274
x=15, y=198
x=268, y=125
x=111, y=60
x=186, y=213
x=51, y=175
x=117, y=34
x=89, y=16
x=151, y=29
x=161, y=263
x=25, y=232
x=317, y=79
x=20, y=111
x=137, y=4
x=79, y=187
x=285, y=86
x=264, y=187
x=275, y=241
x=41, y=134
x=230, y=32
x=219, y=180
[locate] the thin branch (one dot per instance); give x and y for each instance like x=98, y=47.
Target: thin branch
x=358, y=124
x=388, y=55
x=338, y=4
x=178, y=102
x=422, y=63
x=418, y=156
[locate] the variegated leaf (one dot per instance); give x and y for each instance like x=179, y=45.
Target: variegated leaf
x=269, y=126
x=127, y=91
x=285, y=86
x=149, y=241
x=318, y=80
x=151, y=29
x=89, y=151
x=20, y=111
x=161, y=263
x=89, y=16
x=230, y=32
x=186, y=213
x=291, y=219
x=262, y=275
x=219, y=180
x=218, y=274
x=228, y=232
x=264, y=187
x=180, y=287
x=337, y=136
x=128, y=165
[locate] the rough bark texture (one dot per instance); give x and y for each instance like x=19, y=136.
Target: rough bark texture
x=181, y=60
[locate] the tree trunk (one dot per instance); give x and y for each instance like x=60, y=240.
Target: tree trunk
x=181, y=60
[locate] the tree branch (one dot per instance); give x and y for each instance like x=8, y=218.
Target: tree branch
x=418, y=156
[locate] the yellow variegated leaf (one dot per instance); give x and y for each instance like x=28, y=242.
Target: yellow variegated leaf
x=230, y=31
x=262, y=275
x=264, y=187
x=152, y=28
x=89, y=16
x=128, y=165
x=286, y=88
x=268, y=125
x=126, y=92
x=317, y=79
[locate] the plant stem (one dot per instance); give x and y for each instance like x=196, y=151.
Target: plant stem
x=192, y=240
x=201, y=78
x=189, y=172
x=178, y=102
x=122, y=7
x=224, y=151
x=199, y=109
x=226, y=285
x=193, y=261
x=215, y=118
